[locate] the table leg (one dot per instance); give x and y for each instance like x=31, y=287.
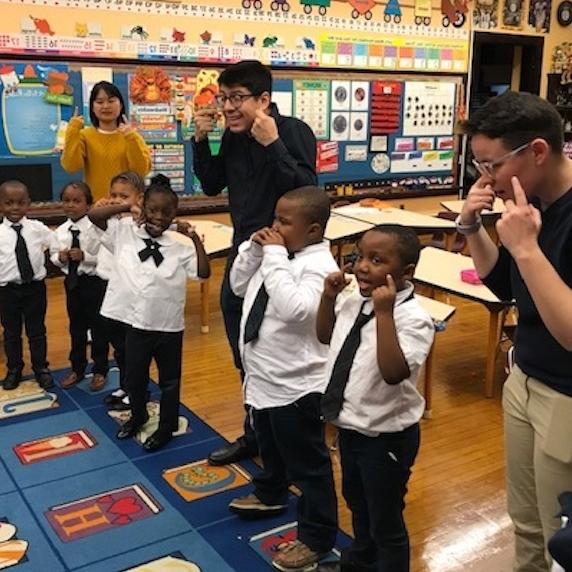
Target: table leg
x=428, y=387
x=492, y=351
x=205, y=289
x=449, y=240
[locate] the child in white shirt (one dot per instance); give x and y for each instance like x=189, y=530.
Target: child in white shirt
x=23, y=301
x=126, y=189
x=379, y=338
x=81, y=286
x=280, y=273
x=147, y=291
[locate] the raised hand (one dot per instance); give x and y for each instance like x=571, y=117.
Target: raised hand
x=520, y=224
x=384, y=296
x=205, y=121
x=335, y=282
x=77, y=119
x=480, y=197
x=266, y=236
x=264, y=128
x=126, y=127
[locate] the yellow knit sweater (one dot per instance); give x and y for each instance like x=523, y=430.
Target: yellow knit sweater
x=102, y=156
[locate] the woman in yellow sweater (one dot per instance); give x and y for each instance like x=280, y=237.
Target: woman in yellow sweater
x=110, y=147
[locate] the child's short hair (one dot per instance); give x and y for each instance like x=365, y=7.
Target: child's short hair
x=252, y=74
x=131, y=177
x=408, y=245
x=517, y=118
x=161, y=184
x=13, y=183
x=80, y=186
x=314, y=203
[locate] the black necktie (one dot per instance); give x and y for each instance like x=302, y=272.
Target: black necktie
x=256, y=315
x=73, y=265
x=151, y=250
x=257, y=311
x=22, y=256
x=333, y=399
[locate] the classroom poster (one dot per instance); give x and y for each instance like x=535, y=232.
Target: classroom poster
x=150, y=109
x=32, y=115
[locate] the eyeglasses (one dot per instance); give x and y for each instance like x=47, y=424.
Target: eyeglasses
x=236, y=99
x=487, y=168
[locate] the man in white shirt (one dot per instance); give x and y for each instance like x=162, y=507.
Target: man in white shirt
x=379, y=337
x=22, y=288
x=280, y=272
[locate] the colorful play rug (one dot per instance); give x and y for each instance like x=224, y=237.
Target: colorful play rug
x=73, y=497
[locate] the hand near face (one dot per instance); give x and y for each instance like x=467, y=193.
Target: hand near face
x=77, y=119
x=335, y=282
x=520, y=224
x=264, y=128
x=266, y=236
x=138, y=214
x=384, y=296
x=126, y=127
x=205, y=122
x=184, y=227
x=481, y=197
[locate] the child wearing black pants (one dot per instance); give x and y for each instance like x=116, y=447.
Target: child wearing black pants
x=147, y=292
x=379, y=338
x=23, y=243
x=82, y=287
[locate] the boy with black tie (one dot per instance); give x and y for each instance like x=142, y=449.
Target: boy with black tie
x=379, y=338
x=280, y=272
x=22, y=288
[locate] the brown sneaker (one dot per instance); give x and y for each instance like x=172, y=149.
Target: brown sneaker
x=98, y=382
x=69, y=380
x=295, y=555
x=251, y=506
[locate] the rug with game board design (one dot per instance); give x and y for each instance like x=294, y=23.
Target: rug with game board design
x=72, y=497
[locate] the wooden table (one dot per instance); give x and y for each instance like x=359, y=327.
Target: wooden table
x=217, y=240
x=420, y=223
x=439, y=312
x=457, y=207
x=342, y=229
x=442, y=269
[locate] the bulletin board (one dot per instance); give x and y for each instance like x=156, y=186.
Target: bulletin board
x=372, y=130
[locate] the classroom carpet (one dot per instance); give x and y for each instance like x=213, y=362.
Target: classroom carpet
x=73, y=497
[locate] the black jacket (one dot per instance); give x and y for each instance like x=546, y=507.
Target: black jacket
x=257, y=176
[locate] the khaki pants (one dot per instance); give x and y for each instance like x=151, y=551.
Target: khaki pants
x=538, y=444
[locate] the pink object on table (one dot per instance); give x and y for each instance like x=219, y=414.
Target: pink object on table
x=470, y=276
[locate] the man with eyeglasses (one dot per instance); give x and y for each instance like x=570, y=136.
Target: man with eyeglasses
x=517, y=141
x=262, y=156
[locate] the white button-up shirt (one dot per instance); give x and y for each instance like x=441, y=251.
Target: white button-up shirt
x=141, y=294
x=286, y=361
x=371, y=406
x=38, y=237
x=64, y=238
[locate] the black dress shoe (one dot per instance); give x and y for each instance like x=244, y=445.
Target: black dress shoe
x=112, y=399
x=159, y=439
x=231, y=453
x=12, y=380
x=130, y=429
x=44, y=379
